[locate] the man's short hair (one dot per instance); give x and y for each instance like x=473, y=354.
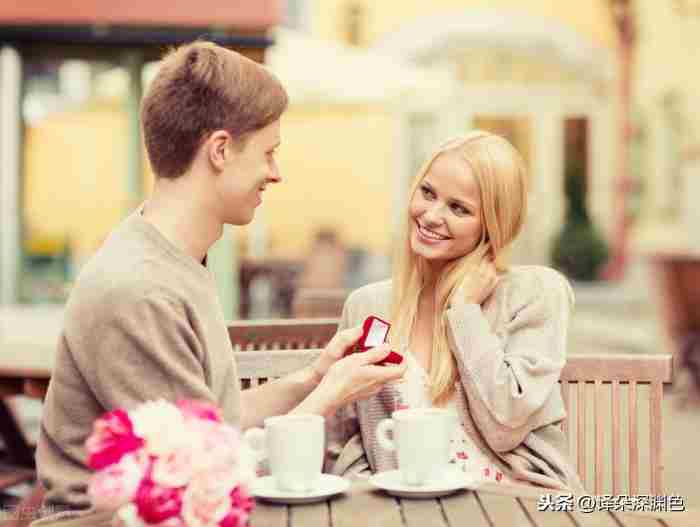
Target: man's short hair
x=200, y=88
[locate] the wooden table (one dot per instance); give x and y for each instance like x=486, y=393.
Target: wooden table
x=495, y=506
x=364, y=506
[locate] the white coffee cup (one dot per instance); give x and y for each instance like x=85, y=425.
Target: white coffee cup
x=294, y=445
x=421, y=441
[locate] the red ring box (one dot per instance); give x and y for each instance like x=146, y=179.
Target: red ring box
x=374, y=332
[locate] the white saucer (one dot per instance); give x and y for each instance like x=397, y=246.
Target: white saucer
x=265, y=488
x=452, y=481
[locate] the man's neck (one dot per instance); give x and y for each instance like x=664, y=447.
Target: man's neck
x=176, y=210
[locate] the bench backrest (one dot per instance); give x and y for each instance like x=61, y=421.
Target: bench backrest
x=620, y=394
x=299, y=333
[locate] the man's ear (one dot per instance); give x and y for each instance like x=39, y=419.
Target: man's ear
x=218, y=148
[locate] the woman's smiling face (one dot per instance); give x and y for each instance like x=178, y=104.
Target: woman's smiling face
x=445, y=211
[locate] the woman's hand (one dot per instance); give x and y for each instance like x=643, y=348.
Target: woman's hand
x=335, y=350
x=350, y=379
x=478, y=285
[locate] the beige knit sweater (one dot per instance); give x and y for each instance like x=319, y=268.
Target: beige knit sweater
x=509, y=352
x=143, y=322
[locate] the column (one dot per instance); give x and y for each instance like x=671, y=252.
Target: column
x=10, y=144
x=260, y=289
x=133, y=62
x=601, y=164
x=223, y=262
x=546, y=201
x=402, y=170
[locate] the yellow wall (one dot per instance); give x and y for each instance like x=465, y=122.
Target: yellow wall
x=75, y=183
x=337, y=165
x=666, y=63
x=667, y=106
x=664, y=60
x=338, y=162
x=590, y=18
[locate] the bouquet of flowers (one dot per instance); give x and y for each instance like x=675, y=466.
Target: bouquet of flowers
x=172, y=465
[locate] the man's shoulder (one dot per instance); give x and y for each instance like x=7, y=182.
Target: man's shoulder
x=119, y=289
x=126, y=270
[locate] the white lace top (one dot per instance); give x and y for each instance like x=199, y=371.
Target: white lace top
x=414, y=393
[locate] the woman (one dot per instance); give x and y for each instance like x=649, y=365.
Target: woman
x=479, y=337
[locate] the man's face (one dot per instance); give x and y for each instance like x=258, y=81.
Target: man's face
x=247, y=171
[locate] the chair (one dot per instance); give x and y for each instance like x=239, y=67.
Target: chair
x=18, y=448
x=602, y=378
x=606, y=375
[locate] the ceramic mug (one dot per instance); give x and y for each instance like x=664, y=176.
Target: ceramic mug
x=421, y=440
x=294, y=446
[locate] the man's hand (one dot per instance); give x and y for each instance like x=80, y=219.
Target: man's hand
x=358, y=376
x=335, y=350
x=350, y=379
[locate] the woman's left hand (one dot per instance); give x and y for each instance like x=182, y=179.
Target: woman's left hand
x=478, y=285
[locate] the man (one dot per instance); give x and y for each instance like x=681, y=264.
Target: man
x=143, y=320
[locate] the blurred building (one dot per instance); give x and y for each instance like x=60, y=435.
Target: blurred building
x=380, y=84
x=549, y=76
x=374, y=87
x=345, y=149
x=71, y=157
x=666, y=133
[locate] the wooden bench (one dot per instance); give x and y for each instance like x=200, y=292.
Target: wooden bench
x=597, y=388
x=610, y=391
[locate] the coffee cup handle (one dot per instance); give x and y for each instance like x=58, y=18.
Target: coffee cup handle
x=255, y=437
x=383, y=428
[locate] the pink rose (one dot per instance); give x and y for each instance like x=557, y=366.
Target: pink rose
x=240, y=499
x=156, y=503
x=197, y=409
x=174, y=469
x=217, y=446
x=205, y=503
x=116, y=484
x=112, y=437
x=235, y=518
x=242, y=504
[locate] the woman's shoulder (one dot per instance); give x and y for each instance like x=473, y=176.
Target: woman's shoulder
x=375, y=290
x=529, y=283
x=374, y=298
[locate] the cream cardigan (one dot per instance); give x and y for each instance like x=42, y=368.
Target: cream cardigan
x=509, y=353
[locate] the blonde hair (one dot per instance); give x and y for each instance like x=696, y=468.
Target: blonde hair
x=500, y=173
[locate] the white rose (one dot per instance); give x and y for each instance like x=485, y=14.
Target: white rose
x=162, y=427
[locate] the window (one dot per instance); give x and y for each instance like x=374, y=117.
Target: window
x=298, y=15
x=421, y=141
